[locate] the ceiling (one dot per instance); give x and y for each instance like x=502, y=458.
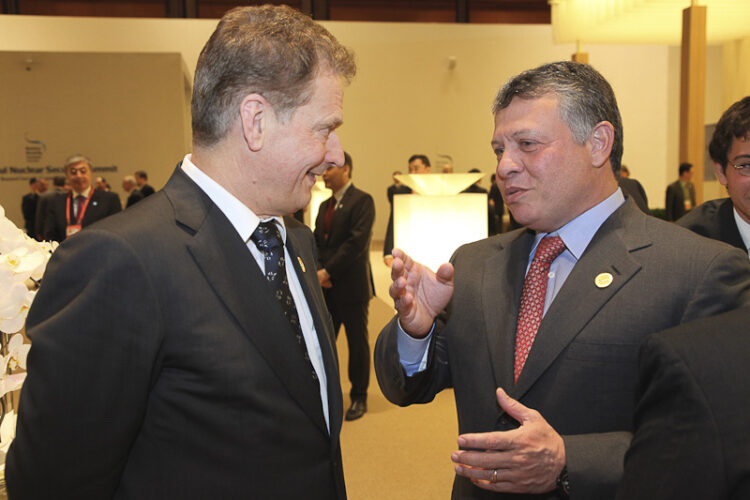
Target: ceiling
x=448, y=11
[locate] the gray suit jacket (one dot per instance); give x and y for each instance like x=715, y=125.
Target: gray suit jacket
x=163, y=367
x=581, y=372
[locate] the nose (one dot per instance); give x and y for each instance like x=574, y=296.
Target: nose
x=507, y=165
x=334, y=152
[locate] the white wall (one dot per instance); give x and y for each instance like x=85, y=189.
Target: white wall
x=405, y=100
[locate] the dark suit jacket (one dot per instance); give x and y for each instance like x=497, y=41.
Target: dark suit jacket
x=41, y=210
x=675, y=200
x=28, y=209
x=692, y=437
x=162, y=367
x=147, y=190
x=714, y=219
x=134, y=197
x=392, y=190
x=345, y=252
x=102, y=204
x=581, y=371
x=633, y=189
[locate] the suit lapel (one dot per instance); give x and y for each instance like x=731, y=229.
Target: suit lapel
x=229, y=267
x=311, y=287
x=501, y=291
x=580, y=299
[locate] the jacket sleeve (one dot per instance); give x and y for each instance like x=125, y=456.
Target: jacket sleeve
x=95, y=332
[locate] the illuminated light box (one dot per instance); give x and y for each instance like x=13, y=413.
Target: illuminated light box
x=434, y=184
x=429, y=227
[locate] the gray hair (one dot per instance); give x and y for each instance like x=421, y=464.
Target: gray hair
x=585, y=98
x=72, y=160
x=274, y=51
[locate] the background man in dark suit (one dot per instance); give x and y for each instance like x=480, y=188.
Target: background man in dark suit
x=343, y=231
x=633, y=189
x=141, y=178
x=418, y=164
x=83, y=205
x=692, y=433
x=181, y=349
x=728, y=219
x=680, y=197
x=29, y=203
x=543, y=362
x=134, y=194
x=58, y=189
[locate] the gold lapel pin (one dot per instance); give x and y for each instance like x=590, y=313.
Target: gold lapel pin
x=603, y=280
x=301, y=264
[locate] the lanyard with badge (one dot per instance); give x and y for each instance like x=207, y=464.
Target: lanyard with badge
x=72, y=229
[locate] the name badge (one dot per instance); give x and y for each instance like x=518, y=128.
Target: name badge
x=72, y=229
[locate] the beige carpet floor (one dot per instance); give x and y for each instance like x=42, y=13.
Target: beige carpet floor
x=395, y=453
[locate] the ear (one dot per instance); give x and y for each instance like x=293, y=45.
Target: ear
x=600, y=142
x=255, y=112
x=720, y=174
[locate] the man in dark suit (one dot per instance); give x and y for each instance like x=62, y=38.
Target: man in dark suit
x=540, y=328
x=181, y=349
x=58, y=189
x=418, y=164
x=680, y=197
x=728, y=219
x=692, y=433
x=343, y=230
x=29, y=202
x=141, y=178
x=633, y=189
x=81, y=207
x=134, y=194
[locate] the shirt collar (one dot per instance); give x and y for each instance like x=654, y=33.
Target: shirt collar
x=242, y=218
x=578, y=233
x=85, y=192
x=339, y=195
x=743, y=227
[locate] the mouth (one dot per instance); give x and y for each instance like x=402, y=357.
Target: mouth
x=512, y=194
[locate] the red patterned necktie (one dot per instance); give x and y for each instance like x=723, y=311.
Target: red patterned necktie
x=532, y=298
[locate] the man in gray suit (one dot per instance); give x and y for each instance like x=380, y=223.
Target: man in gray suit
x=182, y=349
x=538, y=330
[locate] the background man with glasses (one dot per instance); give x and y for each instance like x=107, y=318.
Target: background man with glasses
x=728, y=219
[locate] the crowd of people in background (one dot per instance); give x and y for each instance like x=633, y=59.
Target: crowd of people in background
x=75, y=201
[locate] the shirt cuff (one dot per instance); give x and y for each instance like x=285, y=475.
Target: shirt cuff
x=413, y=352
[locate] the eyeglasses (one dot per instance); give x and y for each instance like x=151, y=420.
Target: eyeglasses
x=742, y=169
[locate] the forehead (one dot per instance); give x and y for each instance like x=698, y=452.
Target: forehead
x=740, y=147
x=526, y=112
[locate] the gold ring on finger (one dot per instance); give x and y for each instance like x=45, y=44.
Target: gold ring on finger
x=494, y=476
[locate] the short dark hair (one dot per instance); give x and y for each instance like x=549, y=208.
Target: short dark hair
x=348, y=162
x=274, y=51
x=33, y=180
x=735, y=122
x=425, y=160
x=584, y=95
x=685, y=167
x=475, y=171
x=142, y=174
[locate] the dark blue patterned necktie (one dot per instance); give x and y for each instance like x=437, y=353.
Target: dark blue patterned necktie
x=268, y=240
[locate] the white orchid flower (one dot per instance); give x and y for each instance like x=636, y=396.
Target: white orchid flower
x=17, y=353
x=15, y=301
